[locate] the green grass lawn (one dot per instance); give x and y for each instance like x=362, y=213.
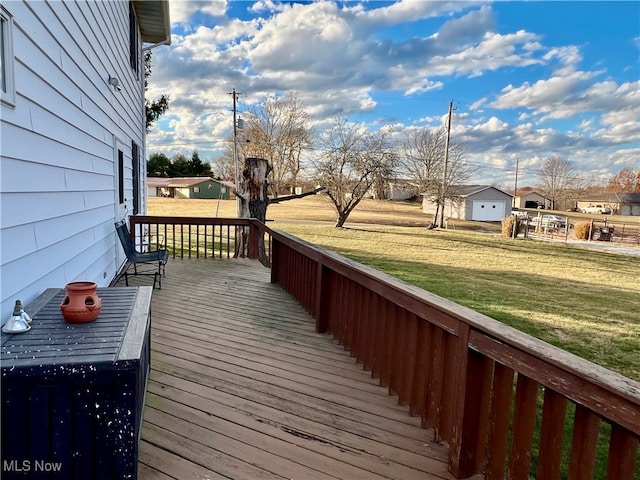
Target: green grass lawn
x=586, y=302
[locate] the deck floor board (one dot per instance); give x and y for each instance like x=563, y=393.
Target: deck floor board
x=242, y=387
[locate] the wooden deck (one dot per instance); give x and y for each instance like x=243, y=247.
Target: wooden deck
x=242, y=387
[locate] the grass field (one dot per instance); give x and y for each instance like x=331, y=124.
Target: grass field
x=586, y=302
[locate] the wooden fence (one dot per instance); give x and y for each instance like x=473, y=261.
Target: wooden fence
x=508, y=405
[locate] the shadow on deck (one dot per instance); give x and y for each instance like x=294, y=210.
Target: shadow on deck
x=241, y=386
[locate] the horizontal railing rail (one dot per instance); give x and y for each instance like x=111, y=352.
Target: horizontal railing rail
x=508, y=405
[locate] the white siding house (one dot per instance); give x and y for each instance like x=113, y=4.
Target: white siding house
x=531, y=199
x=73, y=134
x=483, y=203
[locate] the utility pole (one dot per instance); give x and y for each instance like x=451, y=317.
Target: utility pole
x=446, y=161
x=515, y=185
x=235, y=151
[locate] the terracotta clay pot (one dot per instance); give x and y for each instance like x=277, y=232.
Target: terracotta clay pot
x=81, y=304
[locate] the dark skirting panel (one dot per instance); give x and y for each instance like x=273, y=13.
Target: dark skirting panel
x=73, y=394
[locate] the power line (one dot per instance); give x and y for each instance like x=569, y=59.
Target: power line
x=186, y=142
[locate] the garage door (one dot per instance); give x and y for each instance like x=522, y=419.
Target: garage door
x=487, y=211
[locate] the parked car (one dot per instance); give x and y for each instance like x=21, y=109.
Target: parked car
x=599, y=209
x=520, y=213
x=549, y=222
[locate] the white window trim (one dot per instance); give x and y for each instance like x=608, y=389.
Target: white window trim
x=8, y=97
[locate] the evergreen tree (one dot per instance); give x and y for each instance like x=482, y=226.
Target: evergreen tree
x=158, y=165
x=199, y=169
x=180, y=166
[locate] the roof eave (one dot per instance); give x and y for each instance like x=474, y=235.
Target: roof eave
x=154, y=21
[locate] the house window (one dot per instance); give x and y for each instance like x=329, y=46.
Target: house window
x=196, y=189
x=6, y=57
x=121, y=198
x=134, y=41
x=135, y=165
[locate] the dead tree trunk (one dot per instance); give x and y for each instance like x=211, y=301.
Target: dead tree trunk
x=253, y=202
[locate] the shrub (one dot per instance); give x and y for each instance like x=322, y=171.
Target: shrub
x=507, y=225
x=581, y=230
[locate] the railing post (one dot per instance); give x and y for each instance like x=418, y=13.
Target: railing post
x=253, y=247
x=275, y=260
x=132, y=228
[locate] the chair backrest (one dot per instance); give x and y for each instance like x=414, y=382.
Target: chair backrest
x=125, y=239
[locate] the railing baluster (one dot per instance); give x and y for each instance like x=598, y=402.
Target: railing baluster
x=206, y=231
x=525, y=412
x=434, y=385
x=381, y=339
x=371, y=361
x=586, y=426
x=419, y=386
x=551, y=435
x=623, y=454
x=365, y=328
x=388, y=345
x=499, y=419
x=471, y=417
x=336, y=304
x=398, y=353
x=454, y=368
x=409, y=360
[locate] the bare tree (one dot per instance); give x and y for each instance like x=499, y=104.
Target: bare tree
x=278, y=130
x=224, y=166
x=421, y=157
x=626, y=180
x=351, y=160
x=557, y=177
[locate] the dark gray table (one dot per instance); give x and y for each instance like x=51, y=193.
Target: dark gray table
x=73, y=394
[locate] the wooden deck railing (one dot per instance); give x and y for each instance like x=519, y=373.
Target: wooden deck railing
x=202, y=237
x=509, y=405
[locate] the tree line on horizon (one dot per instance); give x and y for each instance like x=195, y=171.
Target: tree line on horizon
x=159, y=165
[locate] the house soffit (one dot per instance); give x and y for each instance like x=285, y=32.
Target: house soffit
x=153, y=18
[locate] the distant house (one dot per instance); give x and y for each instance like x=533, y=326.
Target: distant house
x=483, y=203
x=73, y=138
x=189, y=187
x=158, y=187
x=620, y=203
x=531, y=199
x=400, y=189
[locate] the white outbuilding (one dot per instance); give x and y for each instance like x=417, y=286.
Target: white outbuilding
x=483, y=203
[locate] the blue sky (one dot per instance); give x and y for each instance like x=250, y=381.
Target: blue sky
x=527, y=79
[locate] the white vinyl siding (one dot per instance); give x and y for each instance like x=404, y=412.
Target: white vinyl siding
x=58, y=182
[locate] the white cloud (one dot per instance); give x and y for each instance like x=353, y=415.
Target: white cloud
x=569, y=57
x=407, y=11
x=342, y=57
x=548, y=96
x=181, y=12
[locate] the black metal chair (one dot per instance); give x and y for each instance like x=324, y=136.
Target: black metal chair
x=156, y=258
